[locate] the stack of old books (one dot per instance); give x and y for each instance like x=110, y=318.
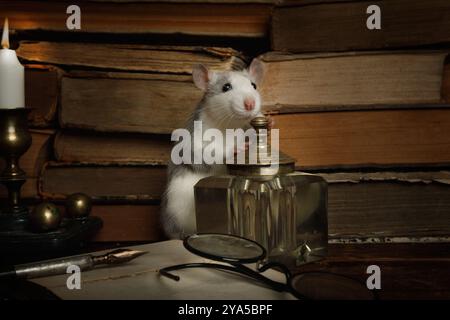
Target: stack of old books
x=373, y=120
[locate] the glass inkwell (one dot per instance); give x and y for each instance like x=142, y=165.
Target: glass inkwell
x=267, y=201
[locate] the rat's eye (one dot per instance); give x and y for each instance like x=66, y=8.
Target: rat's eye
x=254, y=85
x=227, y=87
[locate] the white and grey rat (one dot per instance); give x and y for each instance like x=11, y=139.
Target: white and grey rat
x=230, y=101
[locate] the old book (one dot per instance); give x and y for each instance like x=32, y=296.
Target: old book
x=127, y=222
x=210, y=19
x=130, y=57
x=32, y=162
x=294, y=83
x=104, y=182
x=41, y=94
x=109, y=148
x=354, y=80
x=389, y=206
x=103, y=102
x=379, y=138
x=339, y=26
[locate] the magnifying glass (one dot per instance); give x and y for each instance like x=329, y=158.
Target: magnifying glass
x=237, y=251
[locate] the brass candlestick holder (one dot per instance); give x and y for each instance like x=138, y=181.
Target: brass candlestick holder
x=42, y=234
x=15, y=140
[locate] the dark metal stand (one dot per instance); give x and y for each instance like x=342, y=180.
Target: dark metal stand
x=18, y=244
x=15, y=140
x=22, y=246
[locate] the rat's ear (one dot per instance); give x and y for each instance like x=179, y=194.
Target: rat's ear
x=256, y=71
x=201, y=76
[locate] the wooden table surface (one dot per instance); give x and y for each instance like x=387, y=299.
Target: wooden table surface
x=408, y=271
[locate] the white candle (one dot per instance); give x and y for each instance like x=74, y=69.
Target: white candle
x=12, y=75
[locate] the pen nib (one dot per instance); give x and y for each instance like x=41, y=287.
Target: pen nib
x=118, y=256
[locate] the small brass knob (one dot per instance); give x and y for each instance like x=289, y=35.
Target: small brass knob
x=78, y=205
x=45, y=217
x=260, y=123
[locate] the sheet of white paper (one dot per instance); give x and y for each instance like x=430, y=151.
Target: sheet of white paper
x=139, y=279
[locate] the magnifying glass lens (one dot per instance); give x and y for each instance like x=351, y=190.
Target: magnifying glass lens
x=224, y=247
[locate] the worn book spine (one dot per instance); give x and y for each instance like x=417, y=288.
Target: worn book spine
x=125, y=222
x=323, y=140
x=124, y=148
x=104, y=181
x=130, y=57
x=354, y=80
x=42, y=85
x=318, y=26
x=160, y=104
x=388, y=206
x=377, y=139
x=142, y=223
x=246, y=20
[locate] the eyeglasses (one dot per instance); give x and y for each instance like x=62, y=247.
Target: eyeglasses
x=237, y=252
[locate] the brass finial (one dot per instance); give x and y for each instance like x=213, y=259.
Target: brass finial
x=269, y=161
x=260, y=123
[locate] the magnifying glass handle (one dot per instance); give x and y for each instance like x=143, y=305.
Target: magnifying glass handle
x=166, y=272
x=238, y=268
x=169, y=275
x=282, y=267
x=278, y=286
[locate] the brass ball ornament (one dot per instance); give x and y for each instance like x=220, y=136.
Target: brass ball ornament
x=45, y=217
x=78, y=206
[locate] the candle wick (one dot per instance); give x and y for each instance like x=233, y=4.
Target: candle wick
x=5, y=35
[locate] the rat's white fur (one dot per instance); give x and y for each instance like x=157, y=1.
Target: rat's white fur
x=181, y=205
x=219, y=110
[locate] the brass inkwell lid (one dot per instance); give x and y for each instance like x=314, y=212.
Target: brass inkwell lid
x=262, y=159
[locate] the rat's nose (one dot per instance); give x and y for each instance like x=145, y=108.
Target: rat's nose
x=249, y=104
